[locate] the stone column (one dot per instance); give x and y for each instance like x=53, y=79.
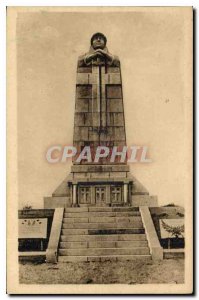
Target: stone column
x=71, y=194
x=74, y=195
x=108, y=195
x=125, y=193
x=92, y=194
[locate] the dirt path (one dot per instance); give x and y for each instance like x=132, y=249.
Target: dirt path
x=167, y=271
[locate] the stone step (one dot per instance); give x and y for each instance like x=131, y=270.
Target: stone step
x=103, y=258
x=74, y=231
x=76, y=209
x=103, y=220
x=134, y=224
x=106, y=237
x=102, y=231
x=101, y=214
x=101, y=209
x=73, y=245
x=116, y=231
x=75, y=220
x=103, y=244
x=104, y=251
x=114, y=209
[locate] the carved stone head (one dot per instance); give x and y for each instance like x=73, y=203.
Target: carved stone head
x=98, y=41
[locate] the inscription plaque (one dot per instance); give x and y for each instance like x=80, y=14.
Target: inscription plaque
x=32, y=228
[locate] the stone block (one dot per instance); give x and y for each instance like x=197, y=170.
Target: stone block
x=173, y=253
x=100, y=214
x=154, y=200
x=100, y=168
x=88, y=238
x=73, y=245
x=100, y=175
x=144, y=200
x=35, y=256
x=101, y=219
x=93, y=135
x=128, y=214
x=130, y=223
x=132, y=237
x=131, y=244
x=76, y=209
x=114, y=105
x=110, y=119
x=77, y=215
x=108, y=238
x=83, y=78
x=35, y=213
x=107, y=136
x=74, y=238
x=113, y=69
x=127, y=219
x=82, y=105
x=125, y=209
x=93, y=78
x=138, y=188
x=84, y=69
x=74, y=231
x=119, y=133
x=153, y=241
x=89, y=214
x=80, y=133
x=81, y=175
x=94, y=108
x=118, y=119
x=95, y=93
x=102, y=244
x=83, y=119
x=100, y=209
x=113, y=78
x=52, y=249
x=133, y=224
x=90, y=225
x=114, y=91
x=84, y=91
x=104, y=251
x=55, y=202
x=75, y=220
x=116, y=231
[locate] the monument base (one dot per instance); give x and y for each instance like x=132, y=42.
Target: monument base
x=100, y=185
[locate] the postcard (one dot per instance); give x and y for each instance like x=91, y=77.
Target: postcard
x=99, y=135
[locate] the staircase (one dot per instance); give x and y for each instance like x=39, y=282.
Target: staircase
x=102, y=233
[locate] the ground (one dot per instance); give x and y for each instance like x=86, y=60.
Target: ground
x=129, y=272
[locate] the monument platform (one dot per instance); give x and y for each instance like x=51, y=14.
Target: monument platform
x=103, y=233
x=100, y=185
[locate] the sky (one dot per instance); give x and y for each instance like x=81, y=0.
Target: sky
x=153, y=49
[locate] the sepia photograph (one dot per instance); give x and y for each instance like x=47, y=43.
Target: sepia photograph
x=99, y=119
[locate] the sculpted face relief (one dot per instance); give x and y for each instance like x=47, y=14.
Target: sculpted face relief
x=98, y=42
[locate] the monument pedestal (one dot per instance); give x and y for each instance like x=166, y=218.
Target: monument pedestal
x=100, y=185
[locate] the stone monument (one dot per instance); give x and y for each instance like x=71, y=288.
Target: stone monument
x=99, y=121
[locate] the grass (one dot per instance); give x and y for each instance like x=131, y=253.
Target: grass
x=129, y=272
